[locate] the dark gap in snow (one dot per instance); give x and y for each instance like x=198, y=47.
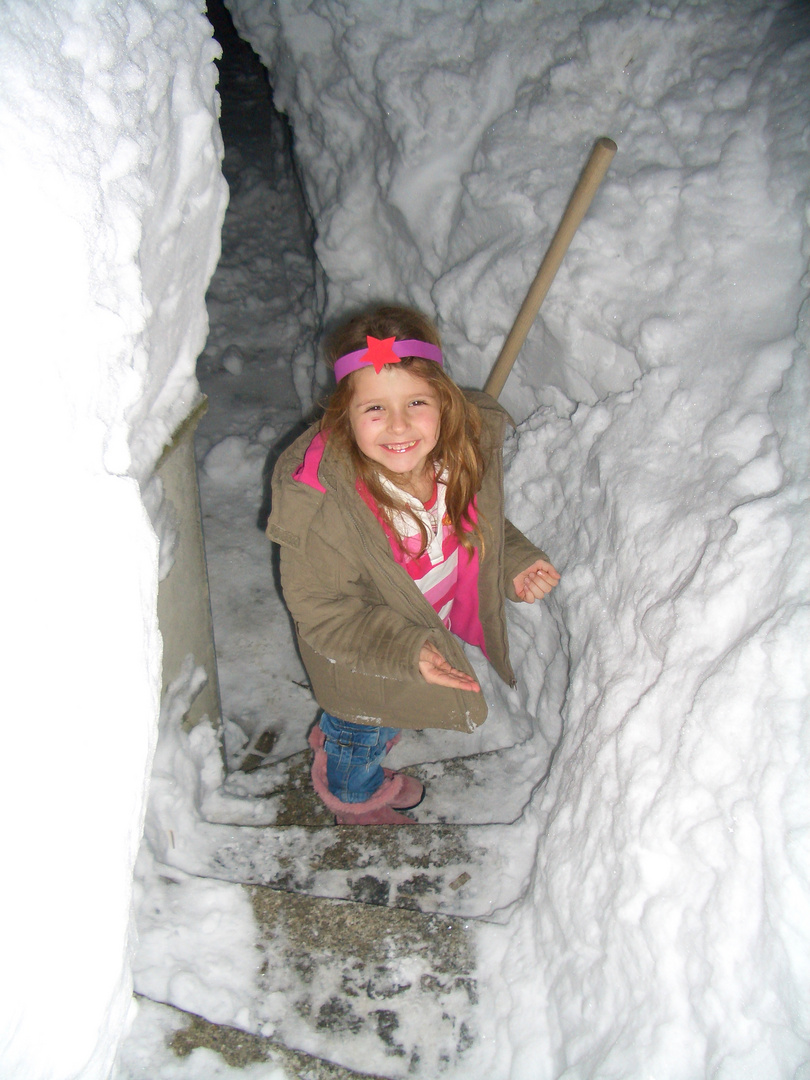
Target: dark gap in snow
x=264, y=306
x=255, y=133
x=263, y=300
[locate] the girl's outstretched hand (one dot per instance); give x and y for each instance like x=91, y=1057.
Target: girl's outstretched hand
x=438, y=671
x=536, y=582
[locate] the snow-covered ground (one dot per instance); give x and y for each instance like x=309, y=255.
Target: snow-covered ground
x=661, y=458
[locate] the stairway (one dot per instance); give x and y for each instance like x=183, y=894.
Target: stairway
x=366, y=936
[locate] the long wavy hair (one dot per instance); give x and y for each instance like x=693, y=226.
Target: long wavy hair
x=458, y=449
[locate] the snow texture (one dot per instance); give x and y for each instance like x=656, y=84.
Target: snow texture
x=112, y=199
x=661, y=458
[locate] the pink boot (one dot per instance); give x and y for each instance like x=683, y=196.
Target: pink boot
x=397, y=792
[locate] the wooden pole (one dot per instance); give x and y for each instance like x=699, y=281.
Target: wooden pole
x=592, y=176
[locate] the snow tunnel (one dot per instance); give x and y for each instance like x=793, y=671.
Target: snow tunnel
x=646, y=811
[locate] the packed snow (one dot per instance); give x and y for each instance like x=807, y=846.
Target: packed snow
x=112, y=200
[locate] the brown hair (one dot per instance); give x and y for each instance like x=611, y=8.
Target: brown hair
x=458, y=449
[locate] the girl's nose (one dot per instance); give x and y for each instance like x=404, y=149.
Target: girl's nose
x=397, y=420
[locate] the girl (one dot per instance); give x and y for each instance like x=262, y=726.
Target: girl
x=389, y=514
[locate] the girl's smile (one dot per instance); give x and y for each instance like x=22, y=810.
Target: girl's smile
x=395, y=418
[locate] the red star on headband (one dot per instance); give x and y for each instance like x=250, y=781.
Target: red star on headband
x=380, y=352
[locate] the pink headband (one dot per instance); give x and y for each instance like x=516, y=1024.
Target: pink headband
x=380, y=352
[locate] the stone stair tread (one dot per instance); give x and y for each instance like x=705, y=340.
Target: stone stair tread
x=277, y=794
x=383, y=988
x=468, y=871
x=487, y=788
x=378, y=992
x=424, y=868
x=239, y=1049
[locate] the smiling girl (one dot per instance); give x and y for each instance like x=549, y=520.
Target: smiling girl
x=393, y=546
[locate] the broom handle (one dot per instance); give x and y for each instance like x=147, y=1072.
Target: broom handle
x=592, y=176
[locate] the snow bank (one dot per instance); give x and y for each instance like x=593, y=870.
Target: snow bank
x=112, y=200
x=170, y=964
x=661, y=459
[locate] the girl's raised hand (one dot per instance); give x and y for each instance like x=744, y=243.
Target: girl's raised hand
x=438, y=671
x=536, y=582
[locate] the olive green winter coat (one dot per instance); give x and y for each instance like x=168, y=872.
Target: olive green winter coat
x=360, y=619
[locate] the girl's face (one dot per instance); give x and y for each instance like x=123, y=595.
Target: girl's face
x=395, y=418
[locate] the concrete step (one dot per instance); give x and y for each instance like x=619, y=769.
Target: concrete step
x=466, y=790
x=467, y=871
x=186, y=1034
x=375, y=991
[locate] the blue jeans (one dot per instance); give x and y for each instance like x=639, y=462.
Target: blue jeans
x=353, y=756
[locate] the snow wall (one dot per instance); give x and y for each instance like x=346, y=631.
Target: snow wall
x=661, y=459
x=113, y=201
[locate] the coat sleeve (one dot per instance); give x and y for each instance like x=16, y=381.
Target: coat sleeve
x=518, y=554
x=340, y=615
